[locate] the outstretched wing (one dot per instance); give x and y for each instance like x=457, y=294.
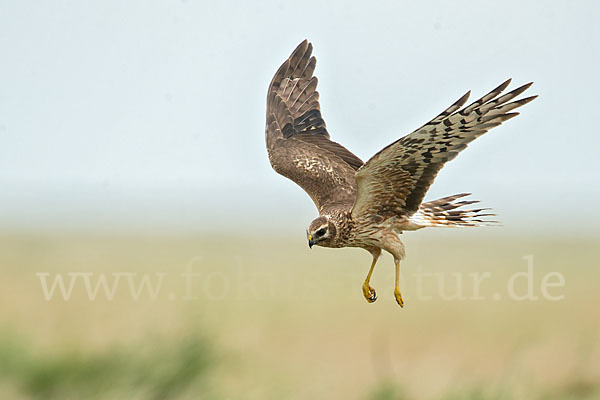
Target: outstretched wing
x=395, y=180
x=297, y=141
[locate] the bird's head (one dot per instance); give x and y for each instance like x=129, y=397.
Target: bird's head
x=321, y=232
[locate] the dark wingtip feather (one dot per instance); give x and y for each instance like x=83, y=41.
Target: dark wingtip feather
x=503, y=85
x=526, y=100
x=301, y=48
x=520, y=90
x=463, y=99
x=507, y=116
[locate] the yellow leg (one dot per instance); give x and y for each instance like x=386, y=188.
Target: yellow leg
x=368, y=291
x=397, y=293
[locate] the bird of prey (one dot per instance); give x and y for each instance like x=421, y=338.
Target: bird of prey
x=369, y=204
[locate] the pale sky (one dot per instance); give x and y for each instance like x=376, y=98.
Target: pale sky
x=149, y=115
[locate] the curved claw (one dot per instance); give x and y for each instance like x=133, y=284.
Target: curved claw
x=369, y=293
x=398, y=297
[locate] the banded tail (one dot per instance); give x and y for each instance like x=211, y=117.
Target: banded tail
x=443, y=213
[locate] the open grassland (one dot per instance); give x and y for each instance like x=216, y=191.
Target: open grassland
x=241, y=318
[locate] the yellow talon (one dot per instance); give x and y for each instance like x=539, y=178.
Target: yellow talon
x=398, y=297
x=369, y=293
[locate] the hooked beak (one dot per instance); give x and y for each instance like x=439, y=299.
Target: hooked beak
x=310, y=241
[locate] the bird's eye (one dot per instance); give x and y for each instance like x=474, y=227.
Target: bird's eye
x=321, y=232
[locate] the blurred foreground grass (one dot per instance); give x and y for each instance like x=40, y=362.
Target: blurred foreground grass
x=241, y=318
x=133, y=372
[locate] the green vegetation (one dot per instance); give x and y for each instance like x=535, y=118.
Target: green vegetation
x=386, y=391
x=167, y=371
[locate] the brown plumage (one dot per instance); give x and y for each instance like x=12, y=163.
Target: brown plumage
x=369, y=204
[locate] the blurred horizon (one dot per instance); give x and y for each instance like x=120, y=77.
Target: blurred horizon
x=170, y=208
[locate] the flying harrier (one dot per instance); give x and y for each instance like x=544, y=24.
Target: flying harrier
x=369, y=204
